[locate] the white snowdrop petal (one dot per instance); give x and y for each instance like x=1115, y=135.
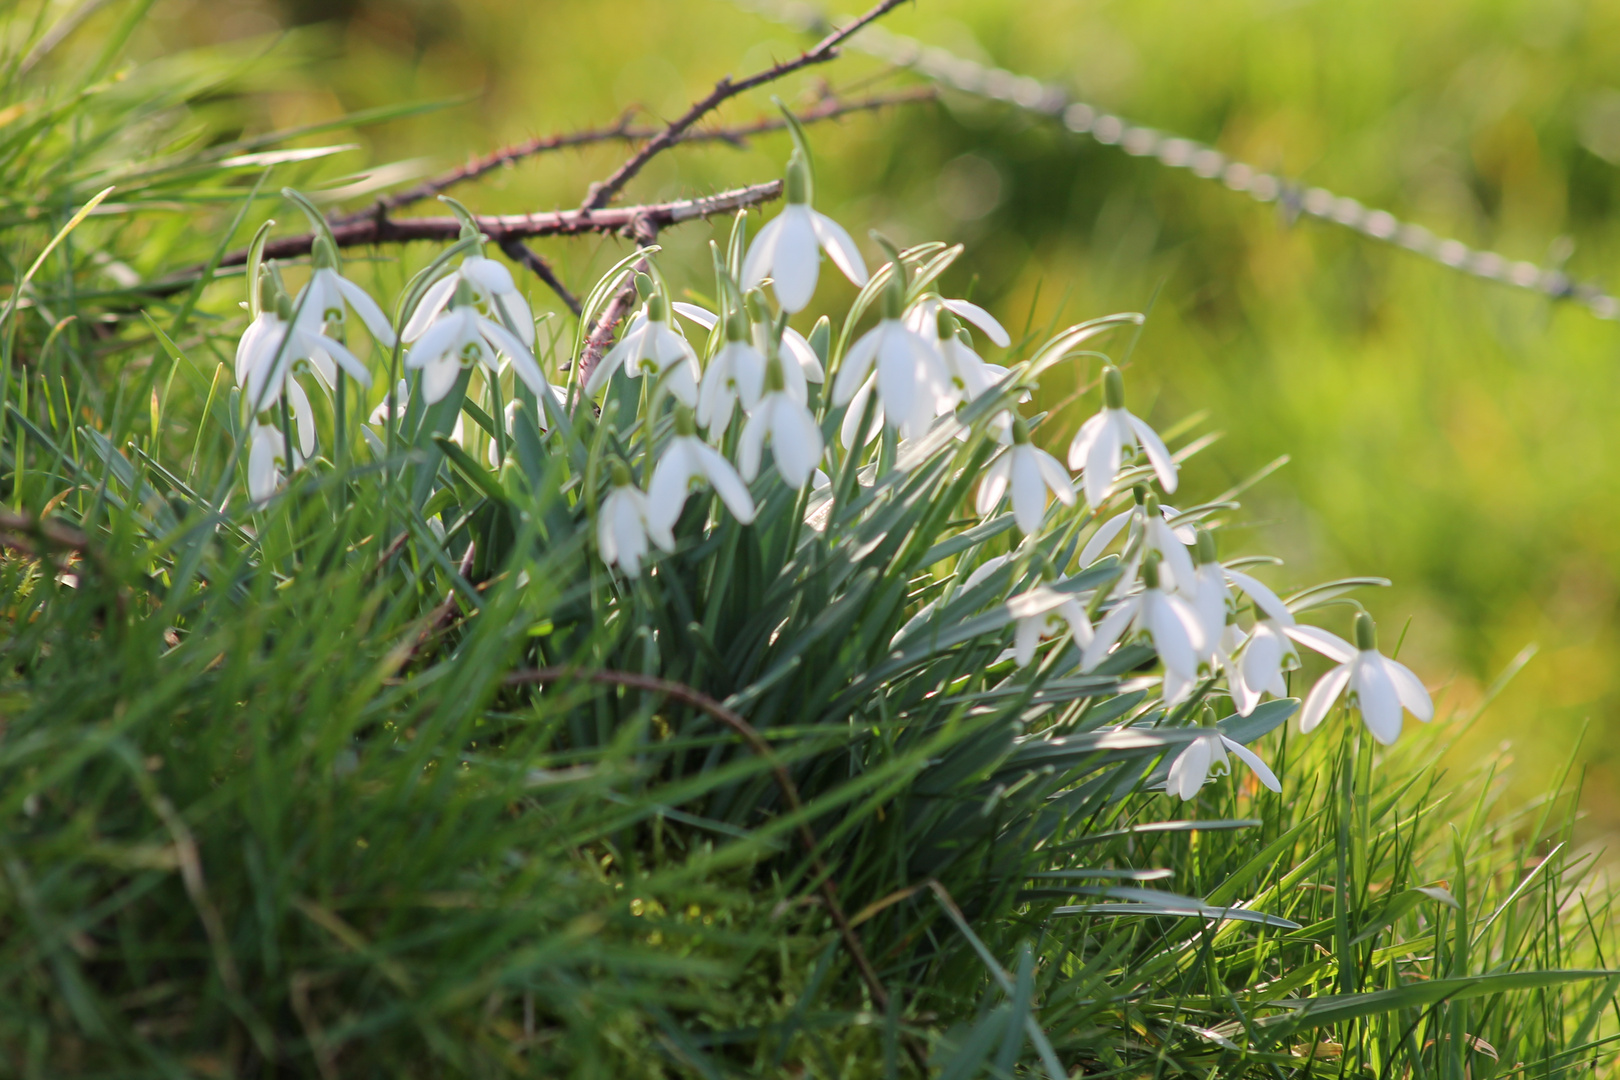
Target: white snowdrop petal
x=1261, y=594
x=1102, y=462
x=798, y=259
x=1080, y=445
x=489, y=276
x=1025, y=638
x=1164, y=466
x=727, y=484
x=750, y=445
x=1105, y=534
x=1322, y=696
x=1375, y=695
x=670, y=484
x=1108, y=632
x=520, y=315
x=700, y=315
x=441, y=338
x=809, y=363
x=1255, y=762
x=857, y=364
x=840, y=247
x=1028, y=490
x=1055, y=477
x=1329, y=645
x=303, y=417
x=370, y=312
x=761, y=254
x=433, y=302
x=1410, y=689
x=981, y=318
x=993, y=485
x=1171, y=630
x=1262, y=660
x=1190, y=769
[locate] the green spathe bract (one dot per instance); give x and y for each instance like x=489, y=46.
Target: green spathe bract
x=271, y=803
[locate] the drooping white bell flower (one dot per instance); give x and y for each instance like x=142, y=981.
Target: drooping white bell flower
x=272, y=348
x=787, y=425
x=321, y=302
x=624, y=524
x=1212, y=591
x=1029, y=472
x=1205, y=755
x=736, y=373
x=461, y=337
x=1168, y=620
x=267, y=460
x=651, y=346
x=1151, y=531
x=1379, y=686
x=1045, y=612
x=1136, y=520
x=793, y=342
x=789, y=248
x=911, y=377
x=1099, y=444
x=686, y=464
x=492, y=286
x=967, y=374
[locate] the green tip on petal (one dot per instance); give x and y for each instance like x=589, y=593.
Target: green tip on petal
x=1206, y=546
x=796, y=184
x=284, y=307
x=1113, y=387
x=1366, y=632
x=737, y=327
x=621, y=473
x=270, y=294
x=944, y=324
x=1150, y=504
x=1150, y=571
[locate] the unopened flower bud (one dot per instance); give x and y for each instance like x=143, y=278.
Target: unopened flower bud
x=894, y=295
x=323, y=254
x=1020, y=431
x=1139, y=492
x=1366, y=632
x=1206, y=547
x=1150, y=571
x=737, y=327
x=621, y=473
x=796, y=183
x=1150, y=506
x=644, y=285
x=758, y=310
x=657, y=308
x=1113, y=387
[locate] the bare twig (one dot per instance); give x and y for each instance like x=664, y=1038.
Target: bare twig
x=829, y=108
x=602, y=193
x=523, y=255
x=381, y=229
x=790, y=793
x=624, y=298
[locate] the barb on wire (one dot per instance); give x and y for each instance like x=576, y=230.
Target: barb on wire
x=1022, y=91
x=602, y=192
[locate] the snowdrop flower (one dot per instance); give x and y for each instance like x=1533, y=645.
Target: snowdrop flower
x=272, y=347
x=788, y=426
x=651, y=346
x=687, y=462
x=1150, y=524
x=1212, y=591
x=460, y=337
x=794, y=342
x=1044, y=612
x=323, y=299
x=787, y=248
x=1098, y=445
x=1379, y=687
x=967, y=375
x=267, y=460
x=911, y=375
x=1206, y=754
x=1029, y=471
x=491, y=285
x=1167, y=619
x=624, y=525
x=735, y=374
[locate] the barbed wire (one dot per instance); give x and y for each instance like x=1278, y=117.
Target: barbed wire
x=1297, y=200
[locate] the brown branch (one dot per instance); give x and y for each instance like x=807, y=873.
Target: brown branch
x=829, y=108
x=790, y=792
x=624, y=298
x=827, y=49
x=381, y=229
x=524, y=255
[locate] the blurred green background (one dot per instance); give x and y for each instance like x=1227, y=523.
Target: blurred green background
x=1454, y=435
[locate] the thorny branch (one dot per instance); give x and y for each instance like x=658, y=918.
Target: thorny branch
x=790, y=792
x=624, y=298
x=830, y=107
x=827, y=49
x=500, y=228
